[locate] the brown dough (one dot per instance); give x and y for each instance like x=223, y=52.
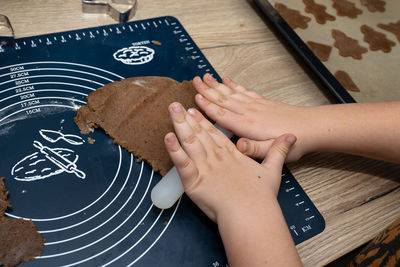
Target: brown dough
x=348, y=47
x=4, y=204
x=134, y=112
x=322, y=51
x=292, y=17
x=19, y=239
x=346, y=81
x=376, y=40
x=391, y=27
x=158, y=43
x=374, y=5
x=345, y=8
x=318, y=11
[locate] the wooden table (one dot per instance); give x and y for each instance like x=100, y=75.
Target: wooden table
x=358, y=197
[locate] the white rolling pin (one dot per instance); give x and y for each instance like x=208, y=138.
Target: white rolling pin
x=169, y=189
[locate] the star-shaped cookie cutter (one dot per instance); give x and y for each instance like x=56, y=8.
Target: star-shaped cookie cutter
x=96, y=7
x=6, y=39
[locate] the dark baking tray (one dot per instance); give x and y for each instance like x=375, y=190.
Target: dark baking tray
x=308, y=56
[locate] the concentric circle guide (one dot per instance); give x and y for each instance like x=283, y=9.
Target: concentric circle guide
x=59, y=98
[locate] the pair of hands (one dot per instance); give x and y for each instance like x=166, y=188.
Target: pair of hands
x=240, y=194
x=217, y=175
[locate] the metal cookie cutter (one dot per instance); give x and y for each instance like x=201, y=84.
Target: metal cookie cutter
x=6, y=36
x=93, y=6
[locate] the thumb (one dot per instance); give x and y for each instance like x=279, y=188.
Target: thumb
x=279, y=150
x=254, y=149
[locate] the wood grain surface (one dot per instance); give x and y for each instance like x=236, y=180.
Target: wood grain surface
x=358, y=197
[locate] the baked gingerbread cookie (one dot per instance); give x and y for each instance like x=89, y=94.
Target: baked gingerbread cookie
x=319, y=11
x=376, y=40
x=293, y=17
x=322, y=51
x=348, y=47
x=346, y=81
x=374, y=5
x=345, y=8
x=391, y=27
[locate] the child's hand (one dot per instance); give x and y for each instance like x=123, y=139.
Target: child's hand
x=233, y=190
x=214, y=174
x=250, y=115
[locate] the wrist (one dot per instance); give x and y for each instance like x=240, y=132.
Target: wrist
x=258, y=234
x=305, y=127
x=248, y=206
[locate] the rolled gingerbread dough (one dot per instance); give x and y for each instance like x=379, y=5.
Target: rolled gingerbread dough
x=134, y=113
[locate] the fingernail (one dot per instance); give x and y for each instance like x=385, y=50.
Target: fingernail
x=209, y=77
x=192, y=111
x=197, y=79
x=227, y=79
x=200, y=97
x=177, y=108
x=169, y=138
x=290, y=140
x=243, y=146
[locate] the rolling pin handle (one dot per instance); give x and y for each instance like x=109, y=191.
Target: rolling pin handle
x=168, y=190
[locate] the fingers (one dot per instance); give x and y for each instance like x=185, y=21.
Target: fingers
x=197, y=135
x=211, y=82
x=238, y=88
x=254, y=149
x=185, y=132
x=225, y=103
x=218, y=137
x=185, y=166
x=216, y=112
x=228, y=82
x=201, y=128
x=279, y=150
x=220, y=94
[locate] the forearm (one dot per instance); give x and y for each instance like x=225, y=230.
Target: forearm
x=258, y=236
x=368, y=129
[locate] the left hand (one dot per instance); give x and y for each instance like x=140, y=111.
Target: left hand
x=215, y=175
x=254, y=118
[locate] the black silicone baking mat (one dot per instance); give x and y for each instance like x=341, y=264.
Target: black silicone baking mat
x=92, y=202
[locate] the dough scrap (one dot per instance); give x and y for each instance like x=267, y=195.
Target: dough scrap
x=19, y=239
x=134, y=112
